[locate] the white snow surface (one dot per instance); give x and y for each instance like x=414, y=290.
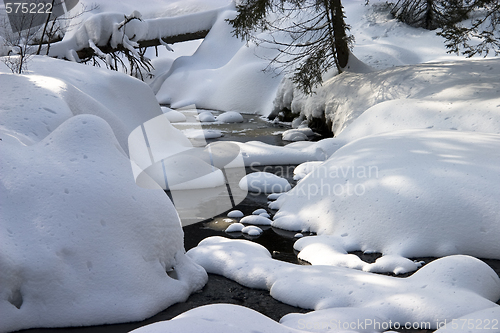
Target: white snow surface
x=235, y=214
x=223, y=74
x=409, y=193
x=230, y=117
x=264, y=182
x=256, y=219
x=79, y=252
x=251, y=230
x=50, y=96
x=81, y=243
x=235, y=227
x=445, y=289
x=218, y=318
x=460, y=95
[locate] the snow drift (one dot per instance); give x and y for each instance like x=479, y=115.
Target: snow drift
x=412, y=193
x=82, y=244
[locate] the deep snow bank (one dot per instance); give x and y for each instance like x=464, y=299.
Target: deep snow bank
x=81, y=243
x=450, y=95
x=409, y=193
x=444, y=289
x=223, y=74
x=34, y=105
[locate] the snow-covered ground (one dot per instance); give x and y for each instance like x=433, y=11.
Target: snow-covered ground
x=413, y=170
x=81, y=243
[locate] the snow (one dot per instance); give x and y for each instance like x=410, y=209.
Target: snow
x=460, y=94
x=264, y=182
x=256, y=219
x=235, y=214
x=202, y=134
x=235, y=227
x=76, y=229
x=102, y=246
x=218, y=318
x=230, y=117
x=412, y=171
x=274, y=196
x=251, y=230
x=223, y=74
x=206, y=116
x=411, y=193
x=304, y=169
x=444, y=289
x=259, y=211
x=173, y=116
x=297, y=134
x=257, y=153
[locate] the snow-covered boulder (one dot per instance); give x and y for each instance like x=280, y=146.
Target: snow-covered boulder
x=412, y=193
x=230, y=117
x=81, y=243
x=264, y=182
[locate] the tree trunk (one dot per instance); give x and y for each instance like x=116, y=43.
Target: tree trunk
x=339, y=31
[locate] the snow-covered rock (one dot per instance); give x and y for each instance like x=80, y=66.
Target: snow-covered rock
x=206, y=116
x=235, y=227
x=256, y=219
x=81, y=243
x=235, y=214
x=251, y=230
x=264, y=182
x=230, y=117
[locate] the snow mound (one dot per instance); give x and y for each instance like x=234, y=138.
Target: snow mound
x=223, y=74
x=108, y=248
x=49, y=97
x=259, y=211
x=235, y=227
x=230, y=117
x=235, y=214
x=173, y=116
x=450, y=287
x=257, y=153
x=410, y=193
x=297, y=134
x=264, y=182
x=448, y=95
x=304, y=169
x=218, y=318
x=252, y=230
x=206, y=117
x=256, y=219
